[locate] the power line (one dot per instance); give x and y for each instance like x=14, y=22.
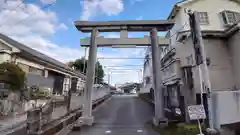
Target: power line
x=21, y=21
x=13, y=8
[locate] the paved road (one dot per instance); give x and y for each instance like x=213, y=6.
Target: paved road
x=121, y=115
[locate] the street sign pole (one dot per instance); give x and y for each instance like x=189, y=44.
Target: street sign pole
x=197, y=112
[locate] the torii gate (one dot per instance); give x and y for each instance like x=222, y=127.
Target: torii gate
x=123, y=27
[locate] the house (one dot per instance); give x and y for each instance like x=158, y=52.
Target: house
x=219, y=23
x=40, y=69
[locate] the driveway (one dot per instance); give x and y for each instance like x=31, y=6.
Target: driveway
x=121, y=115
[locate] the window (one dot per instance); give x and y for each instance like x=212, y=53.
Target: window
x=203, y=18
x=230, y=17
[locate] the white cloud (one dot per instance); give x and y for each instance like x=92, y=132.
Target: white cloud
x=26, y=19
x=112, y=36
x=115, y=35
x=29, y=24
x=62, y=26
x=139, y=18
x=135, y=1
x=47, y=1
x=96, y=7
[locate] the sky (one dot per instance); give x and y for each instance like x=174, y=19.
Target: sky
x=47, y=26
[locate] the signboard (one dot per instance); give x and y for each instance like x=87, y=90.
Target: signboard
x=196, y=112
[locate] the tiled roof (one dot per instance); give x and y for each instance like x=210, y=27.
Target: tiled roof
x=37, y=54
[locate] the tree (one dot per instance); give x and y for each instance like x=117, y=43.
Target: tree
x=79, y=65
x=14, y=78
x=12, y=75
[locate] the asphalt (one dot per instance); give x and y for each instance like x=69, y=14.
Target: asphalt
x=121, y=115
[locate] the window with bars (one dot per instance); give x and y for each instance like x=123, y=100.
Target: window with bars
x=203, y=18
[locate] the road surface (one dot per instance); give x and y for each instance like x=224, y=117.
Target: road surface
x=121, y=115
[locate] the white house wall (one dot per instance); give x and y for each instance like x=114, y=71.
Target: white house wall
x=29, y=63
x=4, y=47
x=177, y=27
x=213, y=7
x=5, y=57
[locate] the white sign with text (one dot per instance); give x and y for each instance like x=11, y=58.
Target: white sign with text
x=196, y=112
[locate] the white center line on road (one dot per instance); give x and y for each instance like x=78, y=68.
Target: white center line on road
x=139, y=131
x=108, y=131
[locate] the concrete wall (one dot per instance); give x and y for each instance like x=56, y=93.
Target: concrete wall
x=233, y=43
x=227, y=106
x=220, y=69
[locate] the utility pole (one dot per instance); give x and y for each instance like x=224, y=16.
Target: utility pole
x=201, y=61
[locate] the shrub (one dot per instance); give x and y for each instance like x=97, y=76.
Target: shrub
x=179, y=129
x=188, y=129
x=13, y=75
